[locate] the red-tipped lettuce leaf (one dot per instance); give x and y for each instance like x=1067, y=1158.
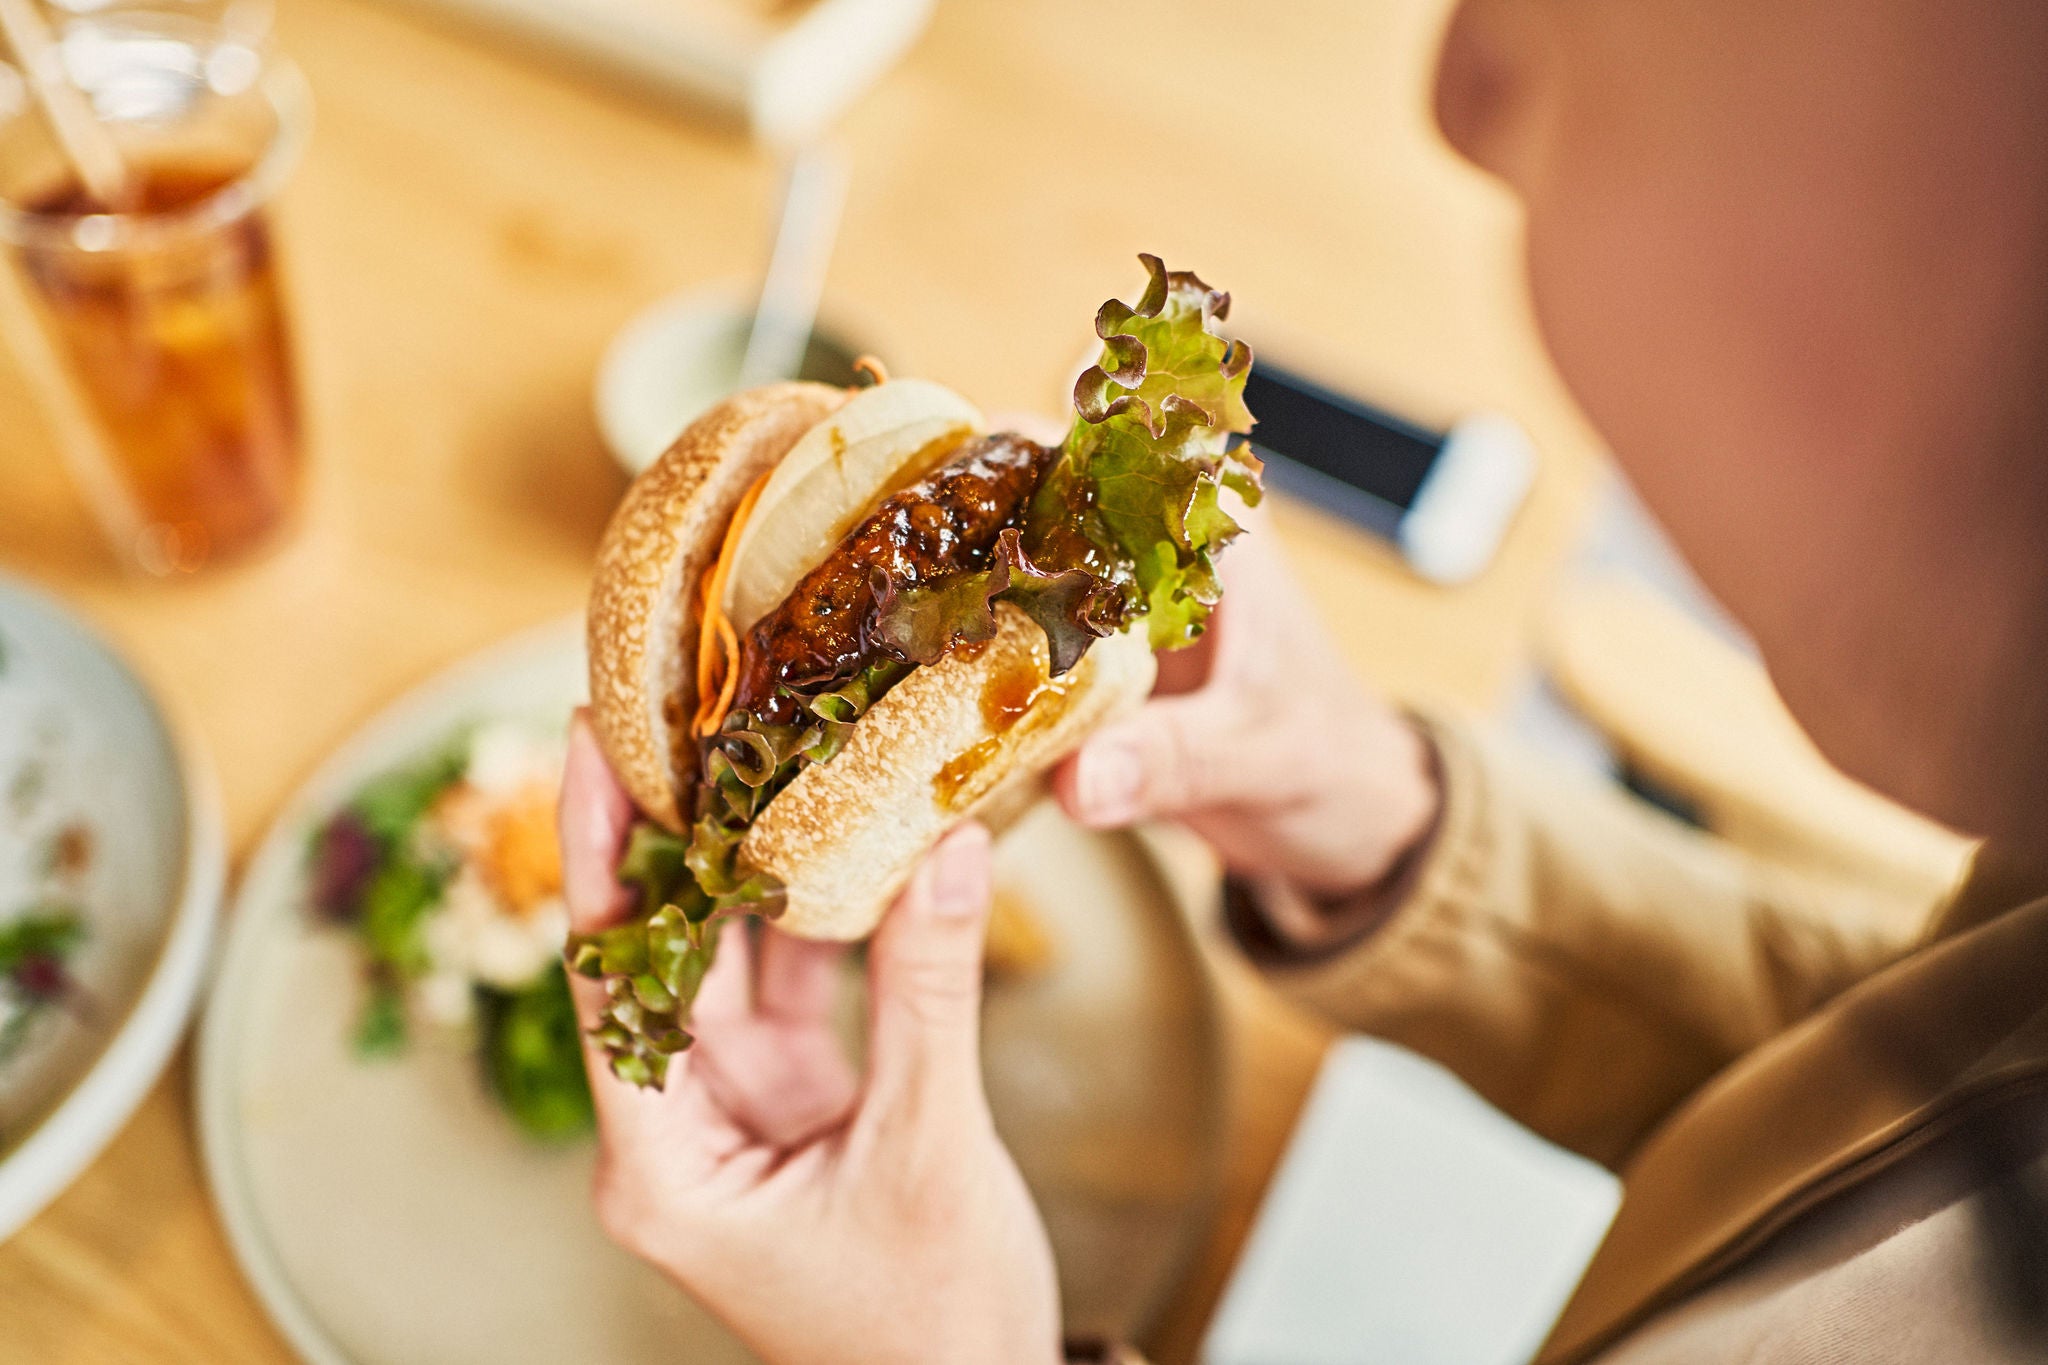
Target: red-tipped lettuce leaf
x=1073, y=607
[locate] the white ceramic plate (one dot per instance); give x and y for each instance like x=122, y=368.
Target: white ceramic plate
x=82, y=745
x=386, y=1211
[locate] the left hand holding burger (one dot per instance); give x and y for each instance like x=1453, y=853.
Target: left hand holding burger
x=824, y=1216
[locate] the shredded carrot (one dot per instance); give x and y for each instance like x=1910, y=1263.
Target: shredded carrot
x=707, y=659
x=728, y=642
x=718, y=647
x=872, y=368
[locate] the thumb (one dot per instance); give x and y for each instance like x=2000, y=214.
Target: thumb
x=593, y=821
x=1174, y=757
x=594, y=818
x=924, y=978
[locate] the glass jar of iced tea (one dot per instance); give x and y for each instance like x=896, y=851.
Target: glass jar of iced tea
x=155, y=331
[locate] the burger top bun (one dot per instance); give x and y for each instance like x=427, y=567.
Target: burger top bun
x=642, y=623
x=883, y=439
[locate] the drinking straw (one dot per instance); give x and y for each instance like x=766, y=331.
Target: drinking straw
x=813, y=193
x=85, y=142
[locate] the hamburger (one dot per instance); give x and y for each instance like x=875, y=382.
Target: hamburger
x=827, y=625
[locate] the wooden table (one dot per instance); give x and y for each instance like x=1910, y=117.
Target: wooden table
x=471, y=225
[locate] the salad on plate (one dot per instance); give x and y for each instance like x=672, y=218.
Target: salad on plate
x=45, y=854
x=448, y=875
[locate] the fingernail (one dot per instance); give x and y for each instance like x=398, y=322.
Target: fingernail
x=960, y=876
x=1111, y=779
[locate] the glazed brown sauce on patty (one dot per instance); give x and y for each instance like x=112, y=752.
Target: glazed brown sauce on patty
x=944, y=524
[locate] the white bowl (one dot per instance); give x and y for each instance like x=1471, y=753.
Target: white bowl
x=73, y=713
x=680, y=356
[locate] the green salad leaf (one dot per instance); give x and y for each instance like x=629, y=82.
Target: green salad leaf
x=48, y=932
x=394, y=913
x=390, y=805
x=1128, y=521
x=533, y=1057
x=35, y=948
x=380, y=1026
x=923, y=622
x=369, y=874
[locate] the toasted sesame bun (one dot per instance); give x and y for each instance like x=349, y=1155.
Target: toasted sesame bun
x=967, y=737
x=643, y=604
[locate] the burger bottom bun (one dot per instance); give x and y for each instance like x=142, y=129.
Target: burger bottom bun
x=970, y=737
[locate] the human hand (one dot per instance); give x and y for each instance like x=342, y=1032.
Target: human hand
x=824, y=1216
x=1261, y=740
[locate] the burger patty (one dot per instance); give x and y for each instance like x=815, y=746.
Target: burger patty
x=944, y=524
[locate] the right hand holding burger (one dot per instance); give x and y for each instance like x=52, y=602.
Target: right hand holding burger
x=1262, y=740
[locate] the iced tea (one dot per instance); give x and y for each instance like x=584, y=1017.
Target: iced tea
x=176, y=347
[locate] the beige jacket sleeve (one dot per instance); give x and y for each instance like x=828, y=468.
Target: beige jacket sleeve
x=1584, y=961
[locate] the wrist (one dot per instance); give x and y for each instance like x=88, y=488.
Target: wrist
x=1409, y=791
x=1380, y=806
x=1403, y=797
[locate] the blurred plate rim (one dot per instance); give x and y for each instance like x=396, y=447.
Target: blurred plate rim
x=78, y=1126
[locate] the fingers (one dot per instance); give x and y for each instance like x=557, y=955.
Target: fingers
x=728, y=989
x=777, y=1069
x=1221, y=730
x=798, y=979
x=667, y=1138
x=1190, y=668
x=594, y=819
x=924, y=972
x=1174, y=756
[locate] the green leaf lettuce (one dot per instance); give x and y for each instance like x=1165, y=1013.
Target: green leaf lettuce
x=1134, y=498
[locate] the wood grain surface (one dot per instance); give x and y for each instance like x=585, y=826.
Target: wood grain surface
x=472, y=224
